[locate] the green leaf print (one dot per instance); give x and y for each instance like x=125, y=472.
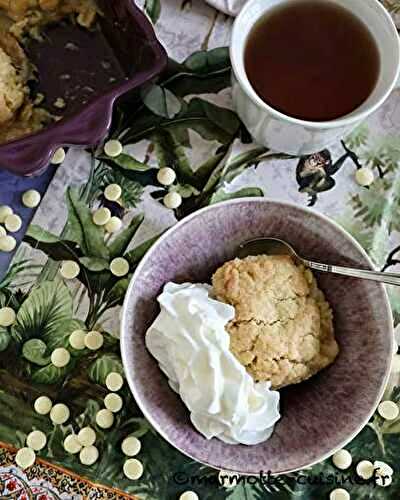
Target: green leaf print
x=135, y=255
x=120, y=243
x=44, y=313
x=206, y=61
x=94, y=264
x=239, y=163
x=221, y=195
x=107, y=173
x=104, y=365
x=82, y=228
x=117, y=293
x=394, y=298
x=60, y=338
x=51, y=245
x=222, y=124
x=248, y=492
x=202, y=72
x=128, y=162
x=5, y=339
x=161, y=101
x=393, y=6
x=49, y=374
x=34, y=350
x=373, y=206
x=212, y=122
x=358, y=137
x=153, y=9
x=185, y=190
x=171, y=154
x=204, y=171
x=10, y=407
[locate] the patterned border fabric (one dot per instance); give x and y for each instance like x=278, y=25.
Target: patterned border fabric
x=44, y=481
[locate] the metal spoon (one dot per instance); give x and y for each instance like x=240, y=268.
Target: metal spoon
x=274, y=246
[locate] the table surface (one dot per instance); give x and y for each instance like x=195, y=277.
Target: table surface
x=325, y=181
x=11, y=189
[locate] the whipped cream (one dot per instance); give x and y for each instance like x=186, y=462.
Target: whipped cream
x=189, y=341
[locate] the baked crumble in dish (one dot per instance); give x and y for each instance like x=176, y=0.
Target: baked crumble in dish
x=20, y=112
x=283, y=328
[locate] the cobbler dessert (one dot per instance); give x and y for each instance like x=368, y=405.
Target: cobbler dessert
x=282, y=331
x=20, y=113
x=227, y=348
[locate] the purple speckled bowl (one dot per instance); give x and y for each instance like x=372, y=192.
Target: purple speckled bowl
x=349, y=390
x=90, y=70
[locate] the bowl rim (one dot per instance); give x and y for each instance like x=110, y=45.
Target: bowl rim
x=129, y=293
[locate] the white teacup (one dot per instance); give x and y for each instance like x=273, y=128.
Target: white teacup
x=283, y=133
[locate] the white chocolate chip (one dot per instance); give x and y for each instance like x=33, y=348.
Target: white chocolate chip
x=133, y=469
x=113, y=148
x=60, y=357
x=7, y=316
x=112, y=192
x=131, y=446
x=3, y=232
x=342, y=459
x=77, y=339
x=119, y=267
x=382, y=468
x=113, y=225
x=166, y=176
x=59, y=414
x=365, y=469
x=172, y=200
x=189, y=495
x=72, y=444
x=339, y=494
x=113, y=402
x=58, y=157
x=7, y=243
x=94, y=340
x=388, y=410
x=69, y=269
x=31, y=198
x=36, y=440
x=364, y=176
x=43, y=405
x=13, y=223
x=114, y=381
x=101, y=216
x=89, y=455
x=104, y=418
x=5, y=211
x=25, y=458
x=87, y=436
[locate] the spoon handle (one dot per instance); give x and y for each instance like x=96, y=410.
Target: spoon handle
x=389, y=278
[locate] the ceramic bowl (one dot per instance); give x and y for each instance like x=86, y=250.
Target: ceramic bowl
x=319, y=416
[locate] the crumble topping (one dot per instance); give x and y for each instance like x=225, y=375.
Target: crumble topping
x=283, y=330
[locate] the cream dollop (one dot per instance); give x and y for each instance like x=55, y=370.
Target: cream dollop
x=189, y=341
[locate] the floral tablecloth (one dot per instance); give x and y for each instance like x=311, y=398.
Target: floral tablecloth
x=184, y=122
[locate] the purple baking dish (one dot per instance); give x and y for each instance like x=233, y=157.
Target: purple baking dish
x=89, y=70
